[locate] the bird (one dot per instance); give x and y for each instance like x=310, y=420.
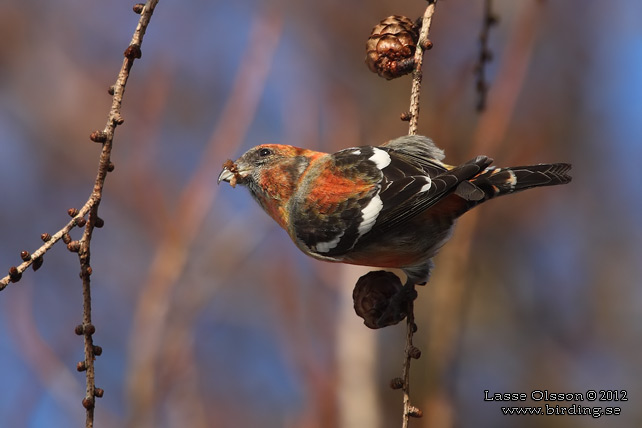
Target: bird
x=387, y=206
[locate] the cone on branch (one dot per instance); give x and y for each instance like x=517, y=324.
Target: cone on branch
x=374, y=295
x=390, y=49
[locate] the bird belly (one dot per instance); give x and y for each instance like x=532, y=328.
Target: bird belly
x=397, y=249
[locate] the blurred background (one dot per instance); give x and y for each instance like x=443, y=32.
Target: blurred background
x=208, y=316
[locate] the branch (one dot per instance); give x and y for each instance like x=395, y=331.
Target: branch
x=410, y=351
x=114, y=119
x=90, y=209
x=423, y=44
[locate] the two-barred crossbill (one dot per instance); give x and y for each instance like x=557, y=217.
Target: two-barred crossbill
x=390, y=206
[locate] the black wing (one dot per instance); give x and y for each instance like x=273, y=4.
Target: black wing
x=406, y=192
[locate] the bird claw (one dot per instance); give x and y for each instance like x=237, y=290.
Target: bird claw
x=397, y=308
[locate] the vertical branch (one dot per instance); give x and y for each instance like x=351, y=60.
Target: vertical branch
x=423, y=44
x=87, y=329
x=410, y=351
x=106, y=137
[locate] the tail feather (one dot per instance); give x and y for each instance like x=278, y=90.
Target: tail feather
x=501, y=181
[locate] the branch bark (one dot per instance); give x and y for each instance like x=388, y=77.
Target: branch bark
x=114, y=119
x=422, y=44
x=410, y=351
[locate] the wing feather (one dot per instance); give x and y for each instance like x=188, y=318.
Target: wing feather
x=369, y=190
x=402, y=205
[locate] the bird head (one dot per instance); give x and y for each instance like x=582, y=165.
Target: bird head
x=271, y=172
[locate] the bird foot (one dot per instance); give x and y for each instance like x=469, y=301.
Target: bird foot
x=397, y=308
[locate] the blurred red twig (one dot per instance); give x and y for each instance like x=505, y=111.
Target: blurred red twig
x=183, y=227
x=485, y=54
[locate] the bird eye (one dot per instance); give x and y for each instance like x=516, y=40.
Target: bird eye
x=265, y=152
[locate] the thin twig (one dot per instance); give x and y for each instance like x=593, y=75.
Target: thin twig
x=422, y=44
x=51, y=240
x=410, y=351
x=408, y=408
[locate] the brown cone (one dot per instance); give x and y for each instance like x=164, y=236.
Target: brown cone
x=390, y=49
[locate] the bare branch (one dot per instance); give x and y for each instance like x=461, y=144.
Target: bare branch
x=423, y=44
x=410, y=350
x=114, y=119
x=16, y=271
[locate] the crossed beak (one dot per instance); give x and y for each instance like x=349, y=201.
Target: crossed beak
x=225, y=175
x=232, y=173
